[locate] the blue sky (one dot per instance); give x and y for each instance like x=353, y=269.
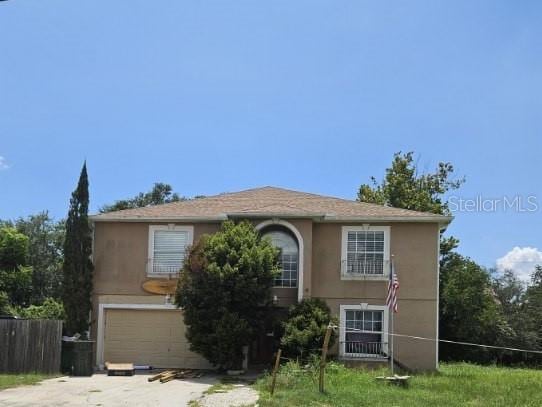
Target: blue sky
x=223, y=95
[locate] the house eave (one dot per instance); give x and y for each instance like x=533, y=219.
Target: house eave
x=267, y=215
x=441, y=220
x=319, y=218
x=164, y=219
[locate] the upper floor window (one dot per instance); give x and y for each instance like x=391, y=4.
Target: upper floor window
x=167, y=248
x=288, y=258
x=365, y=251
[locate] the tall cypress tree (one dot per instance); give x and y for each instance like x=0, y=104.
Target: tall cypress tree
x=77, y=268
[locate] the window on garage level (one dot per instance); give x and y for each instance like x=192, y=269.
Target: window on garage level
x=363, y=330
x=167, y=248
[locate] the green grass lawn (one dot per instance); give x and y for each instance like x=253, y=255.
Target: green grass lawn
x=458, y=384
x=14, y=380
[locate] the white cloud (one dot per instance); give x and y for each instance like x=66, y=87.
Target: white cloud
x=3, y=163
x=522, y=260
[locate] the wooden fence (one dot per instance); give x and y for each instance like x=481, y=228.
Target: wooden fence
x=30, y=345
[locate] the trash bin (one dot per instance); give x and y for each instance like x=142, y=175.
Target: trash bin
x=66, y=357
x=77, y=358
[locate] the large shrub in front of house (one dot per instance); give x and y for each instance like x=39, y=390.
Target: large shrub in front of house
x=225, y=292
x=305, y=328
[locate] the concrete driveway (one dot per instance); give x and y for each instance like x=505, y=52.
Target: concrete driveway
x=103, y=390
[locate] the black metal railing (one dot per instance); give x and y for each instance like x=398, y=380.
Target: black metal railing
x=364, y=349
x=365, y=268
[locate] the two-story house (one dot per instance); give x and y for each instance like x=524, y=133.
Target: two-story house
x=334, y=249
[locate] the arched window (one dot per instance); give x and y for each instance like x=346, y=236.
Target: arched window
x=289, y=256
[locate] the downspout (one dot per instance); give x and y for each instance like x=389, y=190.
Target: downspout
x=438, y=298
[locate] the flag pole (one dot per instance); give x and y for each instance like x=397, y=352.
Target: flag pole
x=391, y=311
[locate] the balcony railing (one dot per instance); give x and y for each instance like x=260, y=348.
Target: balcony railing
x=161, y=268
x=365, y=268
x=353, y=349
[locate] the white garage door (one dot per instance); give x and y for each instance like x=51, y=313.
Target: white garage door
x=148, y=337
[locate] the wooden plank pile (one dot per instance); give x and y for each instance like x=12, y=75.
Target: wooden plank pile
x=168, y=375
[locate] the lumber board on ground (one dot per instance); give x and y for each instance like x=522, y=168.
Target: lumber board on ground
x=158, y=376
x=169, y=375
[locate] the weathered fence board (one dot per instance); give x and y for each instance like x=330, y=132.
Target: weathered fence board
x=30, y=345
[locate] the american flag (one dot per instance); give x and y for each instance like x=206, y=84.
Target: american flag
x=393, y=287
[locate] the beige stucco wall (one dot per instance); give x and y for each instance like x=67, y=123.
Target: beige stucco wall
x=121, y=253
x=415, y=252
x=120, y=257
x=120, y=264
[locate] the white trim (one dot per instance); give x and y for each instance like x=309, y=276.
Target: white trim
x=100, y=336
x=299, y=238
x=441, y=220
x=93, y=260
x=150, y=253
x=344, y=247
x=104, y=217
x=438, y=302
x=342, y=324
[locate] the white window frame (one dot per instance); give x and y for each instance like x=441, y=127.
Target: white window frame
x=301, y=245
x=282, y=269
x=150, y=257
x=344, y=251
x=282, y=279
x=359, y=307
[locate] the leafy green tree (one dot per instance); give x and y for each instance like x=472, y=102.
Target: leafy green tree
x=522, y=307
x=469, y=311
x=5, y=308
x=225, y=292
x=50, y=309
x=15, y=275
x=469, y=308
x=510, y=292
x=45, y=241
x=77, y=267
x=405, y=187
x=159, y=194
x=305, y=328
x=13, y=248
x=533, y=307
x=17, y=284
